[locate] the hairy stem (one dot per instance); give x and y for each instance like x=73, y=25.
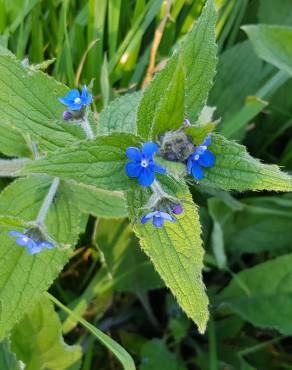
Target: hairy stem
x=48, y=201
x=87, y=128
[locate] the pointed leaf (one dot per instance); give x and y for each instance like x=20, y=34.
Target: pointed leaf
x=176, y=251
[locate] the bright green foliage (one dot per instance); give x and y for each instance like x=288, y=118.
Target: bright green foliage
x=12, y=143
x=8, y=360
x=38, y=343
x=155, y=353
x=236, y=169
x=199, y=132
x=12, y=167
x=29, y=102
x=120, y=115
x=273, y=44
x=194, y=64
x=100, y=162
x=176, y=252
x=24, y=277
x=97, y=202
x=262, y=294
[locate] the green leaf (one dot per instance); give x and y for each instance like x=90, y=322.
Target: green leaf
x=262, y=294
x=236, y=169
x=271, y=13
x=273, y=44
x=29, y=102
x=176, y=251
x=199, y=132
x=99, y=162
x=25, y=277
x=12, y=167
x=8, y=360
x=97, y=202
x=154, y=353
x=12, y=143
x=186, y=70
x=199, y=60
x=120, y=115
x=37, y=340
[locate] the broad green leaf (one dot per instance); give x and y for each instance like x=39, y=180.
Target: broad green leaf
x=12, y=221
x=271, y=12
x=97, y=202
x=99, y=162
x=176, y=251
x=239, y=63
x=199, y=60
x=29, y=102
x=120, y=115
x=155, y=353
x=8, y=360
x=37, y=340
x=25, y=277
x=12, y=143
x=199, y=132
x=236, y=169
x=194, y=64
x=273, y=44
x=262, y=295
x=170, y=113
x=129, y=268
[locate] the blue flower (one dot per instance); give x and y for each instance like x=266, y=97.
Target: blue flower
x=32, y=245
x=158, y=218
x=76, y=101
x=202, y=157
x=142, y=165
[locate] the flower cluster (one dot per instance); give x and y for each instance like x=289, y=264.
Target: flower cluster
x=75, y=102
x=30, y=241
x=202, y=157
x=142, y=165
x=158, y=217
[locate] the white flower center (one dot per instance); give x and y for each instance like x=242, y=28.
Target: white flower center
x=196, y=157
x=77, y=101
x=203, y=147
x=144, y=163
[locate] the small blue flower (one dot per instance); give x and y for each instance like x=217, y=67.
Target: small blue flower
x=76, y=101
x=142, y=164
x=202, y=157
x=32, y=246
x=158, y=218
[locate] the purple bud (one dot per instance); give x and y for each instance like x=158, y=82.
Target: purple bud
x=67, y=115
x=171, y=156
x=177, y=209
x=187, y=123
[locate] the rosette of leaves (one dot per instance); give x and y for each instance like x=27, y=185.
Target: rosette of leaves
x=96, y=168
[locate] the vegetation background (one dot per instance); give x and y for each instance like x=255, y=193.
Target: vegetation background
x=116, y=46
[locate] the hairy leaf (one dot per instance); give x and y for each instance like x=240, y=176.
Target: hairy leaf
x=176, y=252
x=8, y=360
x=37, y=340
x=24, y=277
x=236, y=169
x=100, y=162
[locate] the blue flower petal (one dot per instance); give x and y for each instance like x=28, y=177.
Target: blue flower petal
x=33, y=247
x=133, y=153
x=73, y=94
x=23, y=240
x=197, y=172
x=207, y=141
x=159, y=169
x=14, y=233
x=45, y=244
x=167, y=216
x=147, y=217
x=64, y=100
x=75, y=106
x=190, y=164
x=149, y=149
x=158, y=221
x=207, y=159
x=146, y=177
x=133, y=169
x=86, y=97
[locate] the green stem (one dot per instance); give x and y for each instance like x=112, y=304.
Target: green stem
x=48, y=201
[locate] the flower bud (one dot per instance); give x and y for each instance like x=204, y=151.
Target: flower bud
x=177, y=209
x=67, y=115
